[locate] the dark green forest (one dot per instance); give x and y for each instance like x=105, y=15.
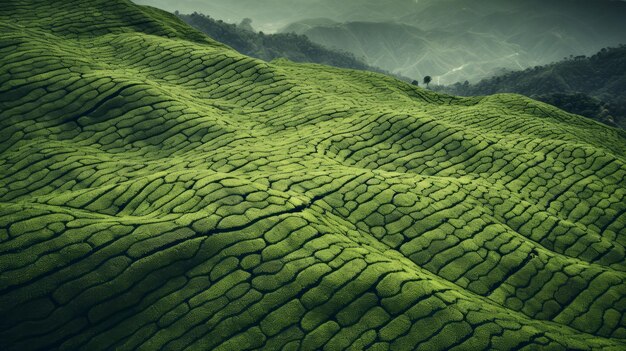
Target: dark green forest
x=295, y=47
x=450, y=40
x=593, y=86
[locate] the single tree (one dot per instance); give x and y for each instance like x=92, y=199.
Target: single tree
x=246, y=24
x=415, y=82
x=427, y=80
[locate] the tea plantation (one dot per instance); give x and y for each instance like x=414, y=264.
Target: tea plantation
x=159, y=190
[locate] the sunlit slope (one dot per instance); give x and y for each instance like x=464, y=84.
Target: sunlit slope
x=159, y=190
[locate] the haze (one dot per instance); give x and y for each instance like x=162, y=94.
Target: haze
x=451, y=40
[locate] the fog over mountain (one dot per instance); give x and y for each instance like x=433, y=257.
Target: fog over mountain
x=451, y=40
x=272, y=15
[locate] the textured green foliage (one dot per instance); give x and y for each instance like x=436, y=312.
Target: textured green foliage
x=159, y=190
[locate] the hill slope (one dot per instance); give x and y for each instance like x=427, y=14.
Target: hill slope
x=160, y=190
x=590, y=86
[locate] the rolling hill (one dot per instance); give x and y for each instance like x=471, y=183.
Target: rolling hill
x=590, y=86
x=159, y=190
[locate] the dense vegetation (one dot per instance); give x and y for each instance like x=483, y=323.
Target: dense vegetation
x=159, y=190
x=271, y=15
x=451, y=40
x=590, y=86
x=297, y=48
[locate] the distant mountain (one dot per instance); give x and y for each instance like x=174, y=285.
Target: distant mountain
x=449, y=56
x=548, y=29
x=271, y=15
x=428, y=14
x=451, y=40
x=297, y=48
x=590, y=86
x=455, y=40
x=307, y=24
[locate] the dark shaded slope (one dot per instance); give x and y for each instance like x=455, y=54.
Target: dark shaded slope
x=590, y=86
x=159, y=190
x=458, y=40
x=297, y=48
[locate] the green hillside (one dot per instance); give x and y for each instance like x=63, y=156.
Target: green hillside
x=590, y=86
x=159, y=190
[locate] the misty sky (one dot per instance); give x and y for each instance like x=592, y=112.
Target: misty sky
x=272, y=15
